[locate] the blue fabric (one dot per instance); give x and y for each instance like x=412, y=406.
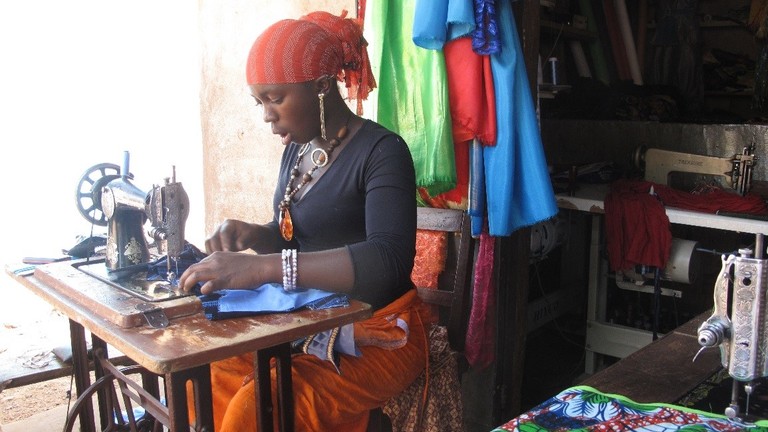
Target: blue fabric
x=518, y=189
x=268, y=298
x=485, y=37
x=158, y=269
x=476, y=189
x=437, y=21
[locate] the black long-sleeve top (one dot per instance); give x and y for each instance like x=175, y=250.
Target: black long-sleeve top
x=366, y=201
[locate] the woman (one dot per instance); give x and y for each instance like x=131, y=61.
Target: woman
x=344, y=221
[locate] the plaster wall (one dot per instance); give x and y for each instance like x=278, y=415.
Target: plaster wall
x=240, y=154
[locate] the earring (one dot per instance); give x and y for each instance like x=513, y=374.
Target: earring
x=321, y=96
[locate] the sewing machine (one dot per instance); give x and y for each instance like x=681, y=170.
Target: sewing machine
x=739, y=324
x=114, y=201
x=734, y=172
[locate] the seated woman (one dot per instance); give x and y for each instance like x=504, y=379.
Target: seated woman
x=344, y=221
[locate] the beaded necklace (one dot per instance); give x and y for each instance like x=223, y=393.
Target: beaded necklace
x=320, y=158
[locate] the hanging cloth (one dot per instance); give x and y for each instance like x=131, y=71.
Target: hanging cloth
x=448, y=25
x=479, y=342
x=413, y=98
x=518, y=189
x=438, y=21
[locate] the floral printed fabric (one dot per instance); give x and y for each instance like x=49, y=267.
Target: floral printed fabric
x=583, y=408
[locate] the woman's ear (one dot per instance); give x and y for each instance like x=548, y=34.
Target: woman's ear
x=323, y=84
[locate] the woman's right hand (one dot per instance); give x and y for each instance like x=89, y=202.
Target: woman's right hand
x=232, y=236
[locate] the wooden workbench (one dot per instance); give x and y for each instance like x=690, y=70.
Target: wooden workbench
x=662, y=371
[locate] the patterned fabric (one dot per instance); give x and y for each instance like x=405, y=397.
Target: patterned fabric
x=295, y=51
x=430, y=258
x=583, y=408
x=440, y=407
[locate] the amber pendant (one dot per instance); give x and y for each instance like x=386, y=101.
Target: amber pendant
x=286, y=224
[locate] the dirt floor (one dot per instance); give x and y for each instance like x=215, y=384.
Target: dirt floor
x=23, y=402
x=29, y=330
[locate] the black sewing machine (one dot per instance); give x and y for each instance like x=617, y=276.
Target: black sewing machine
x=107, y=197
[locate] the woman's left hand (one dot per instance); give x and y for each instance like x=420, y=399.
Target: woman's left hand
x=223, y=270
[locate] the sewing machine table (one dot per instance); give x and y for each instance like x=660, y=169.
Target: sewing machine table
x=185, y=348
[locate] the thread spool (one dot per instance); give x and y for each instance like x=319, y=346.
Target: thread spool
x=553, y=68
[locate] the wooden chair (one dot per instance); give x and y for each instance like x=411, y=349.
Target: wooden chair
x=451, y=299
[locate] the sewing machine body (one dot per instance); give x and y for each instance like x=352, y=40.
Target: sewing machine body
x=127, y=209
x=734, y=172
x=738, y=325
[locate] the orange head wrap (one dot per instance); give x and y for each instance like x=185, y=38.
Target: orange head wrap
x=317, y=44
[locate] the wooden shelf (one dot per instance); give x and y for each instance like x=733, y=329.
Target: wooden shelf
x=567, y=31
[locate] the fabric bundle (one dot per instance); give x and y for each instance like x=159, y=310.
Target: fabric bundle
x=636, y=227
x=636, y=222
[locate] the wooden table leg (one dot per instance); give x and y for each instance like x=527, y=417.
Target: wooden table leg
x=262, y=380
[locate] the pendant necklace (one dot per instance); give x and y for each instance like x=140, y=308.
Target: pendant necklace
x=320, y=158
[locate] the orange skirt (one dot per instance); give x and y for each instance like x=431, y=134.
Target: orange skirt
x=323, y=398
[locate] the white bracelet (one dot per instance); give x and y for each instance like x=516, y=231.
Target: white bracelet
x=290, y=263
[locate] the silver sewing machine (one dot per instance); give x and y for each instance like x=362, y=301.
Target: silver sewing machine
x=734, y=172
x=739, y=324
x=114, y=201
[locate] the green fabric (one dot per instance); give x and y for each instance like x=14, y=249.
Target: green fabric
x=412, y=93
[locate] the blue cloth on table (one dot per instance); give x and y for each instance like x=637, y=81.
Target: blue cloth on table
x=268, y=298
x=158, y=269
x=271, y=298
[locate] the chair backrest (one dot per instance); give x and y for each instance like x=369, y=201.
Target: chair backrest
x=451, y=295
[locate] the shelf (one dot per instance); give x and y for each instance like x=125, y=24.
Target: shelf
x=567, y=31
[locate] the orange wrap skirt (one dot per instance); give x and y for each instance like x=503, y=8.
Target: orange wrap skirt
x=324, y=399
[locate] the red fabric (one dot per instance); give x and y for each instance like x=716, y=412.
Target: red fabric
x=479, y=348
x=470, y=92
x=636, y=227
x=318, y=44
x=712, y=201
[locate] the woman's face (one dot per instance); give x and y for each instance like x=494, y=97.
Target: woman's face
x=291, y=109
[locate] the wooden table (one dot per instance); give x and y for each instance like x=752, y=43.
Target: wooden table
x=184, y=349
x=662, y=371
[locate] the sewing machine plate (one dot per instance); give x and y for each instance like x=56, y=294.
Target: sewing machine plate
x=133, y=282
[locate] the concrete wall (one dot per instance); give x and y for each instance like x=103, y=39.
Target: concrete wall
x=240, y=154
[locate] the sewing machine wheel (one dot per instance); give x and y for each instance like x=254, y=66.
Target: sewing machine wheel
x=89, y=191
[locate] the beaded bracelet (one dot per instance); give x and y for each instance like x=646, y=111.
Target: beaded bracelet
x=290, y=262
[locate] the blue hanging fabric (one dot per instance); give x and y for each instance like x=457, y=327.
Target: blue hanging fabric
x=518, y=189
x=438, y=21
x=476, y=189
